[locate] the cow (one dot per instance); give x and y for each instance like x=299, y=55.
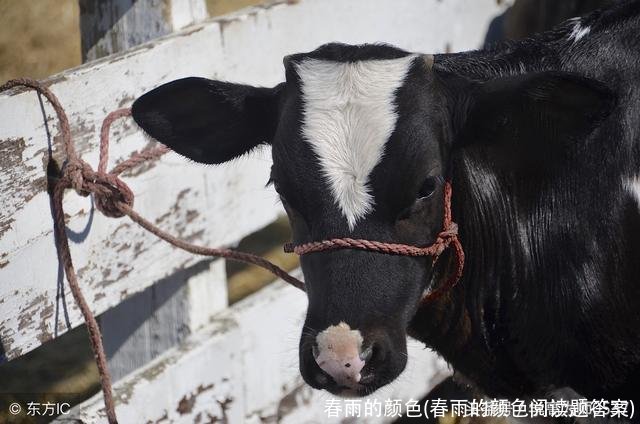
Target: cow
x=539, y=140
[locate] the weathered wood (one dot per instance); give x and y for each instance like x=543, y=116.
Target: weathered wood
x=145, y=325
x=208, y=205
x=201, y=377
x=254, y=346
x=112, y=26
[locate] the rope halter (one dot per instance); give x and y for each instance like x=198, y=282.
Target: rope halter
x=448, y=237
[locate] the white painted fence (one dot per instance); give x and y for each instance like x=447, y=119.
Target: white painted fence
x=239, y=362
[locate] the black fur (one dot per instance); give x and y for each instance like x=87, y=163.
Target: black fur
x=208, y=121
x=537, y=137
x=551, y=281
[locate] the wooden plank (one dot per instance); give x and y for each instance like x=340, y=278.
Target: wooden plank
x=208, y=205
x=258, y=339
x=200, y=378
x=145, y=325
x=187, y=12
x=116, y=25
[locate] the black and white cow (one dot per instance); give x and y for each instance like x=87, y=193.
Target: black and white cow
x=540, y=139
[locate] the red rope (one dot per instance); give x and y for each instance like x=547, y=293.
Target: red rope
x=448, y=237
x=73, y=177
x=114, y=198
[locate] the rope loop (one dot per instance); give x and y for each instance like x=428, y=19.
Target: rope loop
x=108, y=190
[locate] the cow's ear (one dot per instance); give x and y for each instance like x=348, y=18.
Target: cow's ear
x=535, y=118
x=208, y=121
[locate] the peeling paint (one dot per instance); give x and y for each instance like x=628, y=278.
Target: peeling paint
x=16, y=179
x=163, y=418
x=123, y=253
x=298, y=397
x=141, y=168
x=186, y=404
x=224, y=405
x=26, y=315
x=11, y=151
x=82, y=132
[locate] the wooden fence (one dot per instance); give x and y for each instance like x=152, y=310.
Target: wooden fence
x=205, y=360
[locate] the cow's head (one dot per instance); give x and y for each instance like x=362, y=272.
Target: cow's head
x=361, y=139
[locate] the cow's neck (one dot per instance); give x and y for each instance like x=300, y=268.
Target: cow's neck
x=466, y=327
x=539, y=282
x=517, y=321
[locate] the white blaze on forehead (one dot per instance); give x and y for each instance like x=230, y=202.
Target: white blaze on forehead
x=349, y=115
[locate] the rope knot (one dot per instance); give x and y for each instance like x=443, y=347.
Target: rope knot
x=450, y=232
x=111, y=194
x=75, y=172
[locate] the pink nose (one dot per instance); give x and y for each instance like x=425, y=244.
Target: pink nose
x=338, y=353
x=345, y=371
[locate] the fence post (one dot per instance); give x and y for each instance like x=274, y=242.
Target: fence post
x=142, y=327
x=110, y=26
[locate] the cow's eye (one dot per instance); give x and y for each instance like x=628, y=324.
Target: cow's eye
x=428, y=187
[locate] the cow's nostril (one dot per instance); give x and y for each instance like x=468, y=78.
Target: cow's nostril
x=366, y=354
x=377, y=354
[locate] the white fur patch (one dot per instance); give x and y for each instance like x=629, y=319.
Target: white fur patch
x=349, y=115
x=578, y=31
x=339, y=349
x=633, y=186
x=340, y=339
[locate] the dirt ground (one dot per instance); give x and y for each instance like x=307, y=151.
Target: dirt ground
x=39, y=38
